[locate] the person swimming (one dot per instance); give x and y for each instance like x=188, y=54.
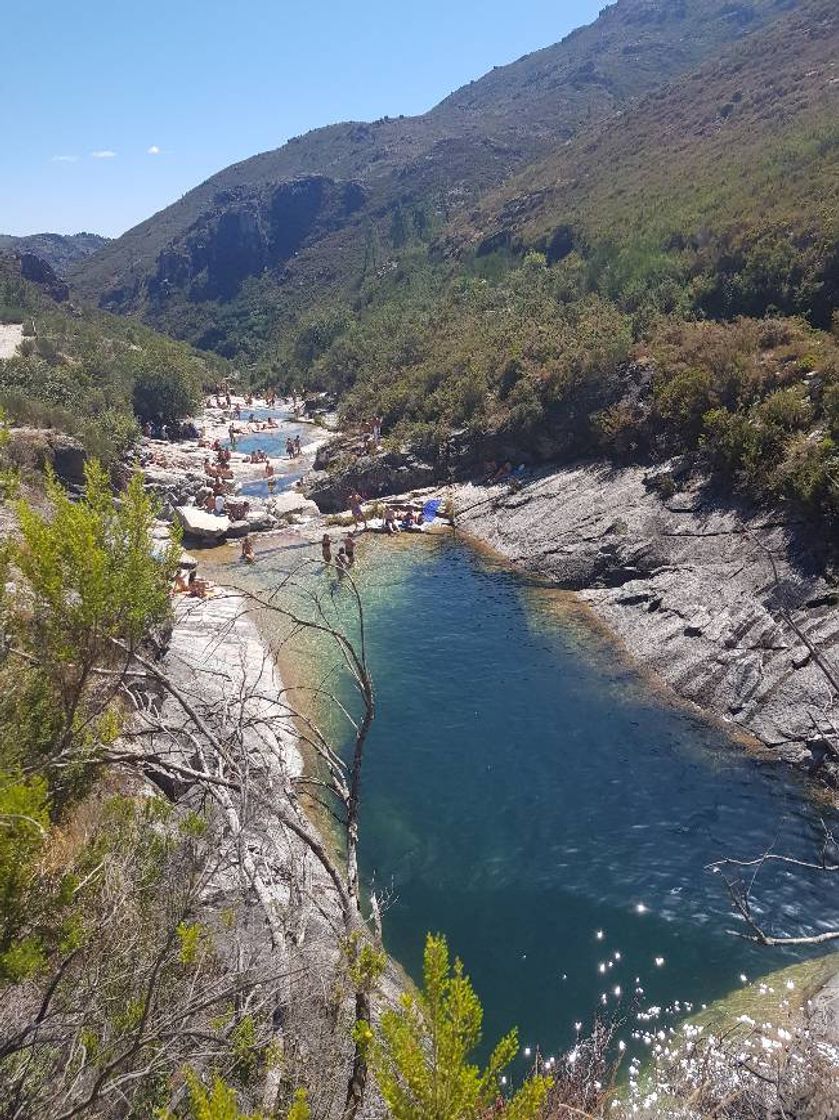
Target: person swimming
x=349, y=548
x=326, y=548
x=342, y=563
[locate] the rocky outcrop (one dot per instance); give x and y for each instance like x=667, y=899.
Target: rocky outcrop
x=246, y=232
x=687, y=583
x=198, y=525
x=38, y=448
x=60, y=251
x=372, y=476
x=37, y=271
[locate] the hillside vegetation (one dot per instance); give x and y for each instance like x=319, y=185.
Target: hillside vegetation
x=242, y=258
x=717, y=196
x=92, y=374
x=670, y=285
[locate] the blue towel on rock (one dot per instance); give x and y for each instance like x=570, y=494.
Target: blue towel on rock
x=429, y=510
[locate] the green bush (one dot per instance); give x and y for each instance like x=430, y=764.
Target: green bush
x=164, y=395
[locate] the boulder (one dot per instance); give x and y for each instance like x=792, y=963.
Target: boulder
x=373, y=476
x=41, y=447
x=199, y=525
x=292, y=501
x=238, y=529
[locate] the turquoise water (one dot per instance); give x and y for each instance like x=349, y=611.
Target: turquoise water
x=272, y=441
x=524, y=789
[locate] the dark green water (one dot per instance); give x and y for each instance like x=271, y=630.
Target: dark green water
x=524, y=790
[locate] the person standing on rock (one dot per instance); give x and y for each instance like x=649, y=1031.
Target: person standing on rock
x=297, y=449
x=356, y=510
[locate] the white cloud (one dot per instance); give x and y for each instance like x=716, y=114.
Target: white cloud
x=153, y=150
x=103, y=153
x=64, y=159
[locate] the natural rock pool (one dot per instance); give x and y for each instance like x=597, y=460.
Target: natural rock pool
x=525, y=788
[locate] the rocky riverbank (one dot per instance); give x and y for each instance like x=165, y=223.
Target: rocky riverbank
x=175, y=474
x=687, y=582
x=291, y=927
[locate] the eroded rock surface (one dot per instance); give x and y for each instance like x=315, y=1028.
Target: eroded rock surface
x=687, y=583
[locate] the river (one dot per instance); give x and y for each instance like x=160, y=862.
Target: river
x=531, y=796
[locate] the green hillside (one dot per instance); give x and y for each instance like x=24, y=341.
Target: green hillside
x=237, y=261
x=719, y=195
x=669, y=285
x=89, y=373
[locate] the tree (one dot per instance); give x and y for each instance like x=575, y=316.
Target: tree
x=163, y=395
x=420, y=1053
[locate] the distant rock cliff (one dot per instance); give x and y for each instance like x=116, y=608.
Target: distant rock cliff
x=60, y=251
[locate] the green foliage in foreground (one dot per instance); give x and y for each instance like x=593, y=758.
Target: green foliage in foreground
x=420, y=1054
x=85, y=585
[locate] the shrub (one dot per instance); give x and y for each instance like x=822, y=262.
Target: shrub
x=163, y=395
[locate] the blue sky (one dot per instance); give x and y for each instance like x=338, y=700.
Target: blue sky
x=114, y=109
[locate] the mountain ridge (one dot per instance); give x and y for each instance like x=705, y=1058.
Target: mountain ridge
x=222, y=235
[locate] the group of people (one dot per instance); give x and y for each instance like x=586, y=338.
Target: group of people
x=219, y=478
x=172, y=432
x=191, y=585
x=345, y=556
x=405, y=520
x=293, y=448
x=494, y=474
x=252, y=422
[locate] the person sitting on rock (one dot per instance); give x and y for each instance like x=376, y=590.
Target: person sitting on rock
x=391, y=525
x=502, y=474
x=248, y=554
x=181, y=582
x=218, y=505
x=197, y=588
